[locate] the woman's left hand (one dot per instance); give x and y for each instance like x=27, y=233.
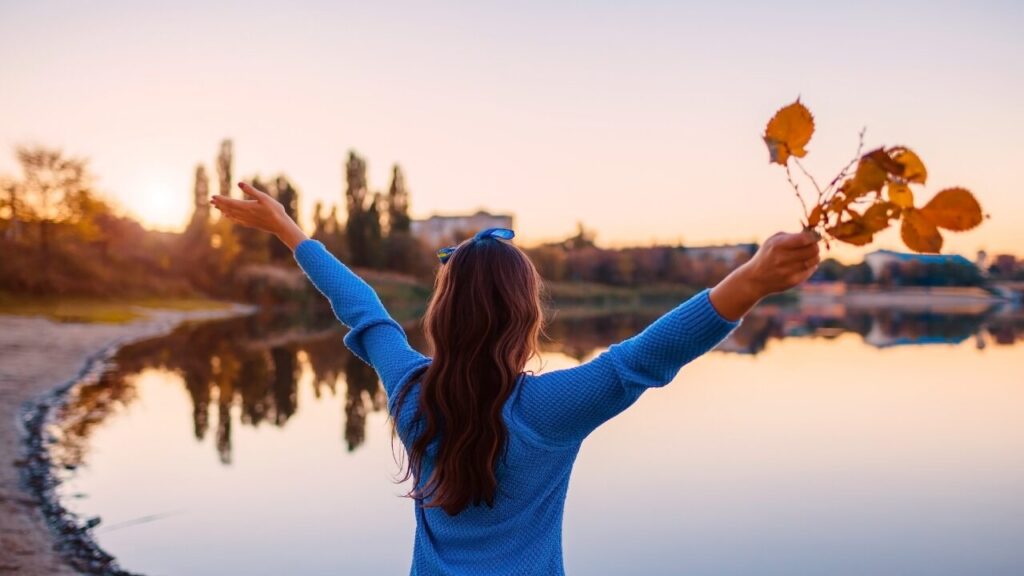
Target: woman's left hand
x=260, y=211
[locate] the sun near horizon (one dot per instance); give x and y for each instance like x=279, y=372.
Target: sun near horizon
x=641, y=121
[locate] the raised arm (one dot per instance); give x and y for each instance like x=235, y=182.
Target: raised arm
x=373, y=336
x=564, y=406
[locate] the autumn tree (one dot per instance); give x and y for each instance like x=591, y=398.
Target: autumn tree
x=51, y=185
x=12, y=209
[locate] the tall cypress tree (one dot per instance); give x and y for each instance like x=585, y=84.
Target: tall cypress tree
x=225, y=159
x=355, y=195
x=288, y=196
x=398, y=203
x=374, y=233
x=200, y=199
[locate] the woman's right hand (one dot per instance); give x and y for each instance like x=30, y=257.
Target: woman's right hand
x=782, y=262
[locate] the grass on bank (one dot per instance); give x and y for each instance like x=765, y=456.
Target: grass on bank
x=99, y=311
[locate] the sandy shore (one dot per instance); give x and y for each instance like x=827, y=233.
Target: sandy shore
x=37, y=356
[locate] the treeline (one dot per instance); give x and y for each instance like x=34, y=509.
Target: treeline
x=912, y=273
x=59, y=237
x=578, y=259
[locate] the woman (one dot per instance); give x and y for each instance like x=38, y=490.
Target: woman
x=490, y=446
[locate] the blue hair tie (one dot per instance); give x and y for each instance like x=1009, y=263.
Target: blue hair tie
x=501, y=233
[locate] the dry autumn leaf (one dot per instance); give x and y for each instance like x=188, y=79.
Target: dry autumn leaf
x=913, y=168
x=900, y=194
x=953, y=209
x=870, y=176
x=837, y=212
x=815, y=217
x=878, y=216
x=919, y=233
x=852, y=232
x=885, y=162
x=788, y=132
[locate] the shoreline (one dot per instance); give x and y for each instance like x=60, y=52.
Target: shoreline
x=42, y=537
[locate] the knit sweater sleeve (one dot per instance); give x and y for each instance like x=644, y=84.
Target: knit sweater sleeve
x=374, y=336
x=562, y=407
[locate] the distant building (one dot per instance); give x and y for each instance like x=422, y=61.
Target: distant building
x=728, y=254
x=1004, y=265
x=879, y=260
x=440, y=230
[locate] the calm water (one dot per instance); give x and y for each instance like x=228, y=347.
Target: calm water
x=810, y=443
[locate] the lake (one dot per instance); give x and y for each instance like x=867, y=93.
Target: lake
x=836, y=442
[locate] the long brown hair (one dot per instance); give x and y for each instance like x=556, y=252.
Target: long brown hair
x=483, y=324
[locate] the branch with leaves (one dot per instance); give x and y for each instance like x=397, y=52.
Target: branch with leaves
x=853, y=208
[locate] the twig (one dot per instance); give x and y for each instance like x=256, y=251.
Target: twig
x=789, y=176
x=136, y=521
x=846, y=170
x=809, y=177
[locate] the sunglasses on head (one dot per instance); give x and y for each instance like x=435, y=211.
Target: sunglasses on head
x=444, y=254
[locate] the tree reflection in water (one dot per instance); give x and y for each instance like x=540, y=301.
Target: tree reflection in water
x=251, y=366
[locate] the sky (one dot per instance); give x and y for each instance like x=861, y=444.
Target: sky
x=640, y=119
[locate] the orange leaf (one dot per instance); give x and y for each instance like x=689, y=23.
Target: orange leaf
x=953, y=209
x=919, y=233
x=815, y=216
x=885, y=162
x=788, y=132
x=870, y=175
x=852, y=232
x=913, y=168
x=878, y=215
x=847, y=194
x=900, y=195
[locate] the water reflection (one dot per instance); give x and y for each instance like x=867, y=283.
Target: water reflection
x=253, y=364
x=907, y=458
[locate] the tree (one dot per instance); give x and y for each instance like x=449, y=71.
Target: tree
x=195, y=257
x=51, y=183
x=200, y=221
x=398, y=203
x=583, y=239
x=288, y=196
x=225, y=159
x=355, y=195
x=254, y=245
x=12, y=203
x=319, y=221
x=374, y=233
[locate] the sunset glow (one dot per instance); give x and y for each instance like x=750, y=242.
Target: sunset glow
x=641, y=120
x=160, y=206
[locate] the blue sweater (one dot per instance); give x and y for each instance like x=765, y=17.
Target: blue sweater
x=548, y=415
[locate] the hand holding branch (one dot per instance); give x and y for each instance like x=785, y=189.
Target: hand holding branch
x=260, y=211
x=783, y=262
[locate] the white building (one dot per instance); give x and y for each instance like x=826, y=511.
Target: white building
x=879, y=260
x=442, y=230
